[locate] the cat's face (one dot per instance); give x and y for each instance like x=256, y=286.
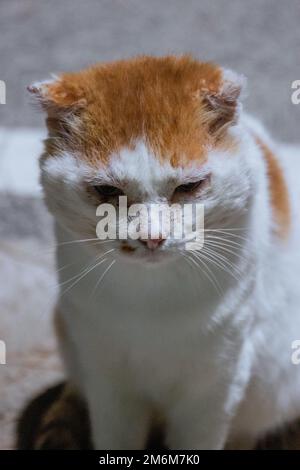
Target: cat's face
x=155, y=132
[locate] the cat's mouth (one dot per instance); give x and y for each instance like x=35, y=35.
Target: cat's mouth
x=141, y=252
x=125, y=248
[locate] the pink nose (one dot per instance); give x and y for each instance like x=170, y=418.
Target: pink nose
x=152, y=243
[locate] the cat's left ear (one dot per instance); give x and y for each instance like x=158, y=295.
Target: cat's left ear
x=224, y=103
x=58, y=95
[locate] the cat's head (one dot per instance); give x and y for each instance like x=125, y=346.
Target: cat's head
x=156, y=130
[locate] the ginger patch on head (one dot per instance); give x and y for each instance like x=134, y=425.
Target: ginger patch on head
x=178, y=106
x=149, y=99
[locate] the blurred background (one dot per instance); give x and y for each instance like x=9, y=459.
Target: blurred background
x=260, y=39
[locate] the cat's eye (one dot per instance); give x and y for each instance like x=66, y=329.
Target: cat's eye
x=189, y=187
x=106, y=190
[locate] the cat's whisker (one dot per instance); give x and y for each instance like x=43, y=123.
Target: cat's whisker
x=221, y=250
x=65, y=266
x=216, y=283
x=217, y=264
x=211, y=277
x=76, y=275
x=224, y=249
x=242, y=229
x=225, y=242
x=219, y=246
x=227, y=236
x=52, y=249
x=237, y=242
x=102, y=277
x=215, y=252
x=212, y=258
x=228, y=233
x=225, y=262
x=101, y=242
x=86, y=269
x=85, y=240
x=83, y=275
x=74, y=262
x=241, y=252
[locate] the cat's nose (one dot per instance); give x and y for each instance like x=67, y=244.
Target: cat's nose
x=152, y=243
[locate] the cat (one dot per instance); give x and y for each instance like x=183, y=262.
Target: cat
x=198, y=341
x=58, y=419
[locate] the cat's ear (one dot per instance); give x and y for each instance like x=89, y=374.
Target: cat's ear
x=224, y=103
x=58, y=95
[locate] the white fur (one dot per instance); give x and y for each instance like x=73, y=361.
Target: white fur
x=208, y=350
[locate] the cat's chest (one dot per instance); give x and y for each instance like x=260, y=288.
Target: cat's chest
x=153, y=325
x=158, y=350
x=157, y=355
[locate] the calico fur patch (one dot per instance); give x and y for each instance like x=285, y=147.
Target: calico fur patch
x=279, y=195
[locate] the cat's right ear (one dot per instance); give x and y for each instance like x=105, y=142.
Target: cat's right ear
x=58, y=95
x=224, y=103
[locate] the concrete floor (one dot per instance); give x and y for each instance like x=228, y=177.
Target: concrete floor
x=260, y=38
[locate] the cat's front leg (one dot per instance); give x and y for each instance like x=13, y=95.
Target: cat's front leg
x=202, y=419
x=119, y=419
x=198, y=423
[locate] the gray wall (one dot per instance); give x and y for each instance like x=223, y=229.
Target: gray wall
x=260, y=38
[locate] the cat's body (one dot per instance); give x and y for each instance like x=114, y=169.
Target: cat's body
x=206, y=352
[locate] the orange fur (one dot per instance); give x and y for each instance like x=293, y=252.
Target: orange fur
x=278, y=191
x=161, y=100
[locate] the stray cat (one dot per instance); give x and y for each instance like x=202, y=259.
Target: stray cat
x=58, y=419
x=150, y=332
